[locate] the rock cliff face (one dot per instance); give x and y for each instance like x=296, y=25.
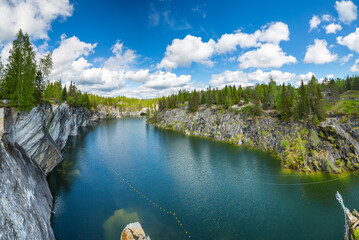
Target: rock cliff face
x=331, y=146
x=25, y=198
x=30, y=148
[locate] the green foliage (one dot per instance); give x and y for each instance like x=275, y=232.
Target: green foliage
x=302, y=109
x=285, y=144
x=18, y=82
x=314, y=139
x=356, y=234
x=285, y=104
x=344, y=107
x=71, y=101
x=315, y=120
x=264, y=133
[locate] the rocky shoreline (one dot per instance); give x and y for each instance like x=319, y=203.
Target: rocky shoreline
x=331, y=146
x=30, y=148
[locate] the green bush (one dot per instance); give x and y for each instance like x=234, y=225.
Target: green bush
x=314, y=139
x=356, y=234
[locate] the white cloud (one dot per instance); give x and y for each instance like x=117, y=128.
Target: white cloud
x=314, y=22
x=5, y=52
x=330, y=76
x=351, y=41
x=249, y=79
x=122, y=57
x=162, y=80
x=347, y=11
x=230, y=42
x=32, y=16
x=268, y=55
x=333, y=28
x=273, y=33
x=183, y=52
x=140, y=76
x=70, y=64
x=327, y=18
x=66, y=58
x=302, y=77
x=319, y=53
x=345, y=59
x=355, y=67
x=230, y=78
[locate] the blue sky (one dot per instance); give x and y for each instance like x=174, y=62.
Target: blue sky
x=153, y=48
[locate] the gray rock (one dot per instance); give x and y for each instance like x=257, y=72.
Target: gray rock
x=336, y=147
x=25, y=197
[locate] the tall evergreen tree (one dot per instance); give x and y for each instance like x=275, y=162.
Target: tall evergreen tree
x=302, y=110
x=20, y=73
x=64, y=93
x=286, y=104
x=333, y=90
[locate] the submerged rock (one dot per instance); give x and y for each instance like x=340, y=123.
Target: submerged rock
x=134, y=231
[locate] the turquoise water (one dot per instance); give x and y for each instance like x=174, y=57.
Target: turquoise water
x=218, y=191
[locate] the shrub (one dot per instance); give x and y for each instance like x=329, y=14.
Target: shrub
x=314, y=139
x=356, y=234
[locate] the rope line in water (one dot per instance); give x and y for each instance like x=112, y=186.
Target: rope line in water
x=151, y=202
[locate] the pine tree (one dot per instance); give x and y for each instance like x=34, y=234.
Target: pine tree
x=39, y=87
x=302, y=110
x=285, y=106
x=257, y=104
x=333, y=90
x=20, y=73
x=64, y=94
x=272, y=94
x=44, y=69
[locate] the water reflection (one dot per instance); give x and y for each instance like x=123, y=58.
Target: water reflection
x=219, y=191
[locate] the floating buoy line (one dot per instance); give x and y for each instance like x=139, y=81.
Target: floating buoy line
x=141, y=195
x=173, y=214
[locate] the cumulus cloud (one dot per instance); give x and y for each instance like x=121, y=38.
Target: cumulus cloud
x=162, y=80
x=33, y=17
x=68, y=58
x=355, y=67
x=326, y=18
x=351, y=41
x=314, y=22
x=183, y=52
x=319, y=53
x=249, y=79
x=71, y=64
x=268, y=55
x=330, y=76
x=302, y=77
x=333, y=28
x=273, y=33
x=345, y=59
x=139, y=76
x=347, y=11
x=122, y=57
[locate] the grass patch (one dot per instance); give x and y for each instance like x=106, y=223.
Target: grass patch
x=344, y=107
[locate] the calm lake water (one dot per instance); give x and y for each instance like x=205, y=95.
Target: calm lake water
x=218, y=191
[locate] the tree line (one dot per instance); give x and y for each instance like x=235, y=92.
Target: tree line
x=24, y=82
x=305, y=102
